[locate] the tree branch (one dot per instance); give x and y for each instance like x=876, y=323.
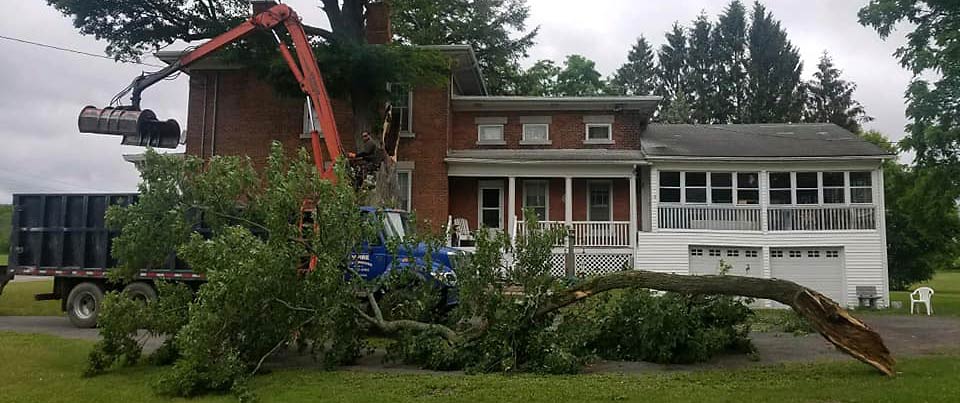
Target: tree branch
x=317, y=31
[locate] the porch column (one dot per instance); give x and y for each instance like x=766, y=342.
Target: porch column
x=633, y=211
x=568, y=201
x=511, y=206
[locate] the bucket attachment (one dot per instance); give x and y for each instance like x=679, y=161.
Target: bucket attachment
x=138, y=128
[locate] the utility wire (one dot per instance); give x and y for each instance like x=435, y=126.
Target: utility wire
x=43, y=45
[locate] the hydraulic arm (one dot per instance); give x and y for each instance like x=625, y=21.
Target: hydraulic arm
x=141, y=127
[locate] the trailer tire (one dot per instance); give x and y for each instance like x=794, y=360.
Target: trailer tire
x=141, y=291
x=83, y=305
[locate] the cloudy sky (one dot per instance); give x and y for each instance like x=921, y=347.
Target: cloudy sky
x=42, y=90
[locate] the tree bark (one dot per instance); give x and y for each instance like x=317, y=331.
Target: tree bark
x=834, y=323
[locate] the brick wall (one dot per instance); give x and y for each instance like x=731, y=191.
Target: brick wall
x=431, y=128
x=567, y=129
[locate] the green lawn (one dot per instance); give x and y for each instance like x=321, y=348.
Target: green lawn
x=46, y=368
x=17, y=299
x=3, y=260
x=946, y=297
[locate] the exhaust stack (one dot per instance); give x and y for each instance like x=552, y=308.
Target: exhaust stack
x=138, y=128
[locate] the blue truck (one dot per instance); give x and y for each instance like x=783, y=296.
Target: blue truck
x=64, y=236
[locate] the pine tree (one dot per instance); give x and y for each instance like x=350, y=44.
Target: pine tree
x=702, y=81
x=673, y=71
x=730, y=48
x=830, y=99
x=638, y=76
x=774, y=87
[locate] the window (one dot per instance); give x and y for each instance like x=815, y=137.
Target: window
x=750, y=253
x=780, y=188
x=535, y=197
x=813, y=253
x=776, y=253
x=833, y=187
x=400, y=99
x=714, y=252
x=599, y=133
x=696, y=252
x=861, y=187
x=491, y=205
x=695, y=187
x=733, y=252
x=721, y=188
x=748, y=188
x=404, y=182
x=808, y=188
x=598, y=201
x=669, y=187
x=536, y=133
x=795, y=253
x=833, y=253
x=490, y=134
x=709, y=187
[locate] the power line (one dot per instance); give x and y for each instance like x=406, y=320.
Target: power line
x=62, y=49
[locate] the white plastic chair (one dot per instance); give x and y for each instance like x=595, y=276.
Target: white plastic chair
x=922, y=295
x=462, y=228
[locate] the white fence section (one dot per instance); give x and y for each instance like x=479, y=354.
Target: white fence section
x=818, y=218
x=591, y=234
x=733, y=218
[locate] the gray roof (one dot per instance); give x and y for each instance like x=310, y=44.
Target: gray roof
x=755, y=141
x=562, y=155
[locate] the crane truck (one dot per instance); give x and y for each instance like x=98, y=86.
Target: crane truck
x=64, y=236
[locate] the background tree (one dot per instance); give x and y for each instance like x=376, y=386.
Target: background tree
x=774, y=88
x=730, y=50
x=702, y=79
x=496, y=29
x=539, y=80
x=830, y=98
x=579, y=77
x=638, y=76
x=933, y=47
x=674, y=70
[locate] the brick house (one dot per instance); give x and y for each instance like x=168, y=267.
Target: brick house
x=802, y=202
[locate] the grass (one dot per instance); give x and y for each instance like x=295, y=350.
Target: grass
x=17, y=299
x=3, y=260
x=946, y=297
x=46, y=368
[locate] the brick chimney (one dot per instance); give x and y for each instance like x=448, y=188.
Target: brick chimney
x=378, y=30
x=260, y=6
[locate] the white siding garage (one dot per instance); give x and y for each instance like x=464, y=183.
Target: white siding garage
x=744, y=261
x=818, y=268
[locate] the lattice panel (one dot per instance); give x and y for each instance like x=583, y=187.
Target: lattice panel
x=591, y=264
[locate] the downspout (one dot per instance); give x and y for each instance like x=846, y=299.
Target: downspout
x=203, y=117
x=213, y=134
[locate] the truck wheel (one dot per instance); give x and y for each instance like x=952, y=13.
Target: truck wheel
x=83, y=305
x=141, y=291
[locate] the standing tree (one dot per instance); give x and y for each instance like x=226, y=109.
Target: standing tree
x=579, y=77
x=774, y=88
x=932, y=47
x=830, y=99
x=730, y=50
x=638, y=76
x=674, y=71
x=700, y=59
x=496, y=29
x=539, y=80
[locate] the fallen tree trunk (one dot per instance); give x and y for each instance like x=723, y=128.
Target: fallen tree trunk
x=834, y=323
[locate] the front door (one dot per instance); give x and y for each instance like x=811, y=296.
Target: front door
x=598, y=201
x=491, y=205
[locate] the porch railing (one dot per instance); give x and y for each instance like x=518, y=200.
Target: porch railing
x=591, y=233
x=734, y=218
x=819, y=218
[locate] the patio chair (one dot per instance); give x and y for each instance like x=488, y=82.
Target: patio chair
x=922, y=295
x=461, y=229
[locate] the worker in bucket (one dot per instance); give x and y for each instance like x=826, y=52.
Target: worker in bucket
x=368, y=160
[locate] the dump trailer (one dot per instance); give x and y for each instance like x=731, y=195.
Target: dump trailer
x=65, y=237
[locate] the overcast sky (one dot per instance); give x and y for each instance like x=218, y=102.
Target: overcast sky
x=42, y=90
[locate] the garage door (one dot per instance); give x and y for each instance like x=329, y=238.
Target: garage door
x=818, y=268
x=744, y=261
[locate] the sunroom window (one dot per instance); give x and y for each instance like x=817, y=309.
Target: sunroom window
x=709, y=187
x=861, y=187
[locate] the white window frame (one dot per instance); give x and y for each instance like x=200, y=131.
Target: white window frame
x=850, y=188
x=588, y=140
x=660, y=185
x=490, y=185
x=705, y=187
x=546, y=141
x=546, y=195
x=409, y=190
x=847, y=189
x=843, y=188
x=732, y=188
x=482, y=141
x=796, y=187
x=609, y=185
x=406, y=131
x=788, y=189
x=735, y=188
